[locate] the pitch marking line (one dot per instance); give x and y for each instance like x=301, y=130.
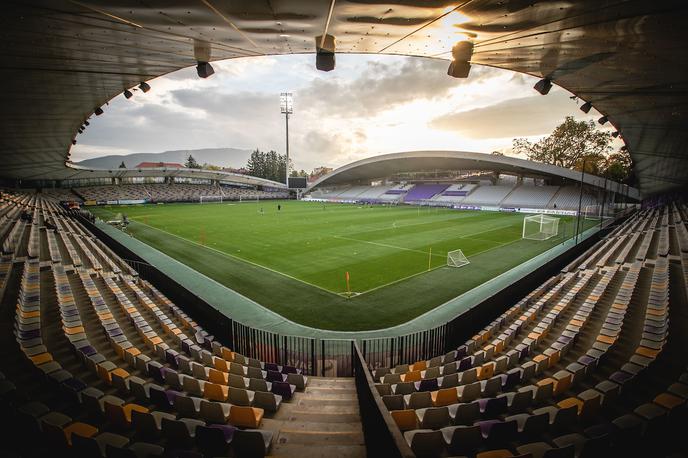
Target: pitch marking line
x=384, y=245
x=236, y=257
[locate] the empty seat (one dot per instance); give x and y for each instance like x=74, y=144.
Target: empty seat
x=425, y=442
x=251, y=443
x=247, y=417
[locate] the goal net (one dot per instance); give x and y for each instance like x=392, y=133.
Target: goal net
x=207, y=199
x=597, y=212
x=540, y=227
x=251, y=198
x=456, y=258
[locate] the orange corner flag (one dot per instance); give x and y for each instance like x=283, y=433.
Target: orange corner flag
x=348, y=287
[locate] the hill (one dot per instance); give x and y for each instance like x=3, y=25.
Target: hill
x=223, y=157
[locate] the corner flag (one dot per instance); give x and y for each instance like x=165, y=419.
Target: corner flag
x=348, y=287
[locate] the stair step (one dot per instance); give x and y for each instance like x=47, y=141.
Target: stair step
x=321, y=451
x=288, y=435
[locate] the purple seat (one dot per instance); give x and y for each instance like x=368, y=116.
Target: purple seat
x=498, y=432
x=274, y=376
x=163, y=398
x=155, y=370
x=461, y=351
x=586, y=360
x=31, y=334
x=427, y=385
x=87, y=350
x=283, y=389
x=465, y=364
x=171, y=358
x=290, y=370
x=620, y=377
x=272, y=367
x=186, y=346
x=214, y=440
x=511, y=378
x=491, y=407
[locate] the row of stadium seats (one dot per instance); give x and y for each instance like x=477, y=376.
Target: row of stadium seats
x=561, y=372
x=505, y=195
x=132, y=370
x=178, y=192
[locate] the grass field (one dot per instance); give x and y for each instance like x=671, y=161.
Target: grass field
x=294, y=260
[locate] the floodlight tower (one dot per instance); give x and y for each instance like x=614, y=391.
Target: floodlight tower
x=286, y=108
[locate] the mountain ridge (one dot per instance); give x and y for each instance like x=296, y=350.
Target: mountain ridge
x=223, y=157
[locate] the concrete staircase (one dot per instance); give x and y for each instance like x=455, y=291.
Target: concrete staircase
x=323, y=421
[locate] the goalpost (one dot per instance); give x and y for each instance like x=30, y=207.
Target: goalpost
x=456, y=258
x=596, y=212
x=540, y=227
x=254, y=199
x=206, y=199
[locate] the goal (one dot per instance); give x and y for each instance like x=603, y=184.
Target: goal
x=207, y=199
x=253, y=198
x=456, y=258
x=540, y=227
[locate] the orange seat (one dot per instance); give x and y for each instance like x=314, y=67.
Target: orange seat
x=419, y=366
x=411, y=376
x=444, y=397
x=248, y=417
x=562, y=385
x=545, y=381
x=120, y=372
x=606, y=339
x=486, y=371
x=568, y=402
x=41, y=358
x=133, y=351
x=156, y=340
x=578, y=323
x=648, y=352
x=120, y=415
x=405, y=419
x=220, y=364
x=500, y=453
x=215, y=392
x=82, y=429
x=227, y=354
x=669, y=401
x=74, y=330
x=219, y=377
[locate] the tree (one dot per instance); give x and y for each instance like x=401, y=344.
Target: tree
x=619, y=167
x=212, y=167
x=191, y=163
x=122, y=166
x=270, y=165
x=571, y=144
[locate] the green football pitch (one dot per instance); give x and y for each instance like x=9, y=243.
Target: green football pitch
x=295, y=260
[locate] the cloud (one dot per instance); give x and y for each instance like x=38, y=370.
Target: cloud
x=519, y=117
x=384, y=85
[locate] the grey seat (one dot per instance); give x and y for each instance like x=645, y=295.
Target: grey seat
x=425, y=442
x=180, y=432
x=462, y=440
x=418, y=400
x=267, y=401
x=214, y=412
x=433, y=417
x=241, y=397
x=149, y=424
x=188, y=406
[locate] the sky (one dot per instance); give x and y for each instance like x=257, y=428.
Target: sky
x=369, y=105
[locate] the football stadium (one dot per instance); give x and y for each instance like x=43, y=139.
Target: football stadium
x=418, y=303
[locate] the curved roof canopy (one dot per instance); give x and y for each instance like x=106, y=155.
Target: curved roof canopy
x=62, y=59
x=410, y=161
x=77, y=172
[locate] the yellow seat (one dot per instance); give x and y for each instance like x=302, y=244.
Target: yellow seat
x=120, y=415
x=562, y=385
x=405, y=419
x=647, y=352
x=248, y=417
x=568, y=402
x=606, y=339
x=444, y=397
x=215, y=392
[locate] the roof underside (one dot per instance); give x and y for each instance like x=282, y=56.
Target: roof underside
x=389, y=164
x=63, y=58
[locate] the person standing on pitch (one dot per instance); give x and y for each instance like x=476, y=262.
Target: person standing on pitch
x=279, y=207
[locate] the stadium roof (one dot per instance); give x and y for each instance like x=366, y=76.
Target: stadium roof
x=78, y=172
x=389, y=164
x=62, y=59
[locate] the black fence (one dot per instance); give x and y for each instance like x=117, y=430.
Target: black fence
x=382, y=436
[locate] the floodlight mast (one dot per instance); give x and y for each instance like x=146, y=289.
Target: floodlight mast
x=286, y=108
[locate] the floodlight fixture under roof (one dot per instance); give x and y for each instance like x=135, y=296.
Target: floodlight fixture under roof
x=603, y=120
x=145, y=87
x=98, y=111
x=460, y=66
x=127, y=94
x=543, y=86
x=586, y=107
x=204, y=69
